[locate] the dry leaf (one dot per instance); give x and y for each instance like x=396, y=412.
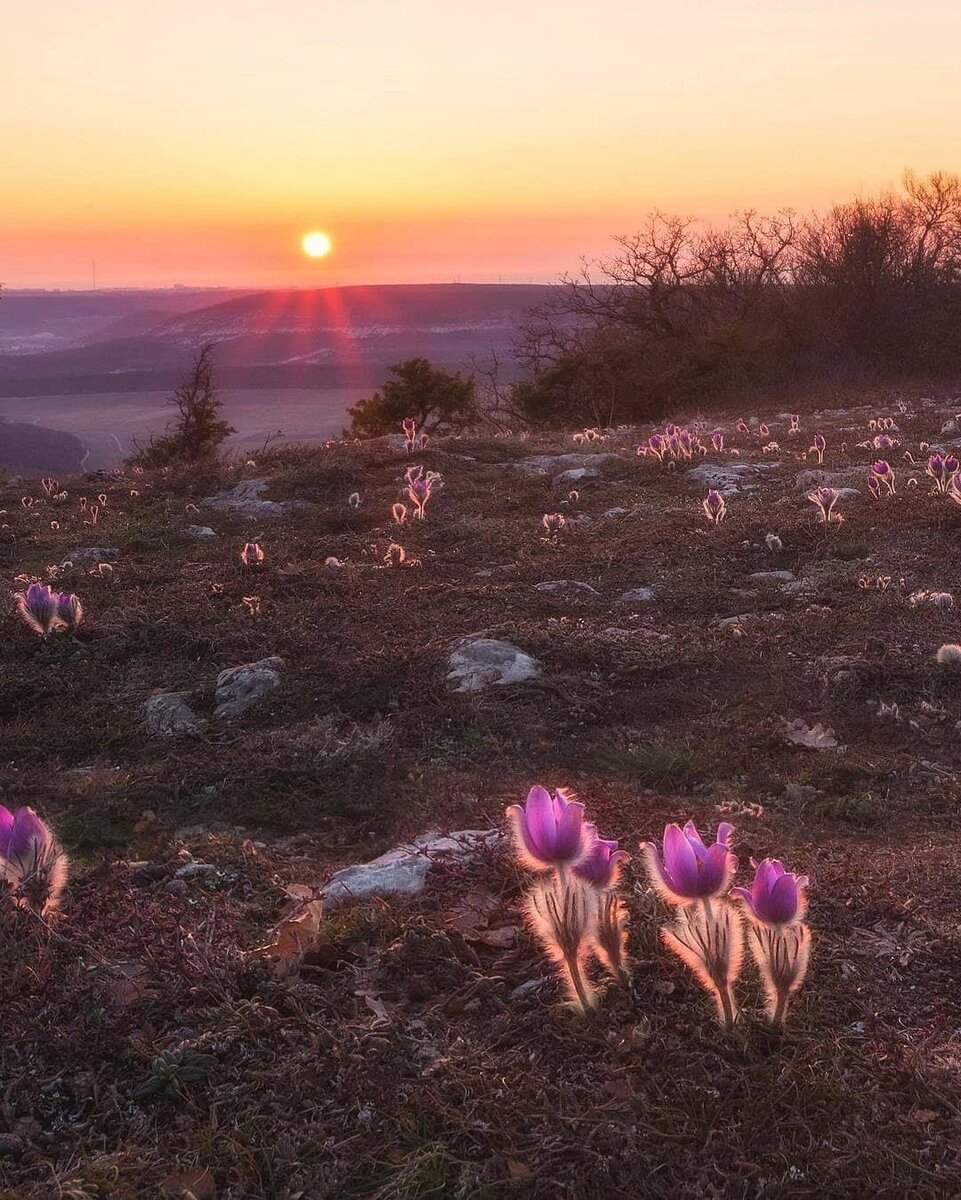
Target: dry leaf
x=498, y=939
x=518, y=1170
x=190, y=1185
x=125, y=981
x=294, y=937
x=813, y=737
x=375, y=1004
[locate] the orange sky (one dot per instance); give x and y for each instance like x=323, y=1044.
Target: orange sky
x=196, y=141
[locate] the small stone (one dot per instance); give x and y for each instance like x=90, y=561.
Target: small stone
x=194, y=870
x=569, y=587
x=576, y=475
x=199, y=531
x=530, y=988
x=240, y=688
x=772, y=577
x=176, y=887
x=167, y=714
x=189, y=831
x=637, y=596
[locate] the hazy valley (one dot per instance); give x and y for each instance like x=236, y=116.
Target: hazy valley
x=99, y=367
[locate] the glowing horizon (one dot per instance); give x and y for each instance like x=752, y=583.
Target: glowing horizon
x=432, y=142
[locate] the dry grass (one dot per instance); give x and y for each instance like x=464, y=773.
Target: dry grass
x=400, y=1063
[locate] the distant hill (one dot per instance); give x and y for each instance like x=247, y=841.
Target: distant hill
x=27, y=449
x=62, y=343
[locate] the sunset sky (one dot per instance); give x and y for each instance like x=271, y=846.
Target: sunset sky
x=197, y=141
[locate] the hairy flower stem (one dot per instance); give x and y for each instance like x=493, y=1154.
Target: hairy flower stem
x=717, y=961
x=563, y=916
x=709, y=939
x=781, y=954
x=577, y=980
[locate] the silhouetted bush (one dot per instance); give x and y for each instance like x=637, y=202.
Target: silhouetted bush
x=684, y=315
x=198, y=431
x=438, y=400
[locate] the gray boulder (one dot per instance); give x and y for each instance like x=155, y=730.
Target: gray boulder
x=729, y=478
x=88, y=556
x=806, y=481
x=476, y=663
x=403, y=871
x=244, y=499
x=575, y=475
x=540, y=464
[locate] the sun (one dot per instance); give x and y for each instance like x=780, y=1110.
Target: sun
x=316, y=244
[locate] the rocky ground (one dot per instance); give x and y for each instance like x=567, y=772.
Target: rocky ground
x=223, y=749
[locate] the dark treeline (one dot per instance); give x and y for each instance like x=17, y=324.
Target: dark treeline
x=683, y=315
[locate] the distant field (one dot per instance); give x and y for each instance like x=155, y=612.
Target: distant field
x=109, y=424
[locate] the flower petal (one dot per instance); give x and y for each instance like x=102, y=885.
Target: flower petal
x=680, y=862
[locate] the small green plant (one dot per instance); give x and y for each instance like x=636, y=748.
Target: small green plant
x=858, y=808
x=173, y=1072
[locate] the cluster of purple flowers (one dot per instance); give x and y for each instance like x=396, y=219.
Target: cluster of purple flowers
x=32, y=862
x=881, y=479
x=944, y=470
x=578, y=912
x=708, y=934
x=45, y=610
x=676, y=442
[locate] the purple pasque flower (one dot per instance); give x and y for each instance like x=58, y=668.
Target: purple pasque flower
x=69, y=609
x=689, y=870
x=777, y=897
x=881, y=478
x=937, y=468
x=715, y=507
x=824, y=500
x=418, y=492
x=31, y=860
x=602, y=866
x=657, y=444
x=549, y=830
x=38, y=607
